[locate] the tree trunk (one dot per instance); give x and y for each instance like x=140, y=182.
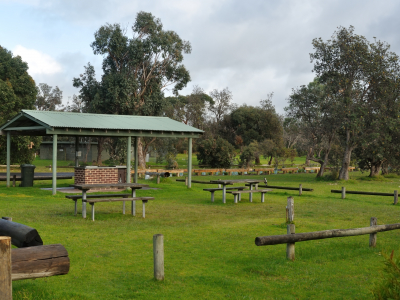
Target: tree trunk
x=309, y=154
x=141, y=155
x=385, y=168
x=100, y=144
x=87, y=149
x=344, y=171
x=270, y=160
x=324, y=164
x=257, y=160
x=375, y=167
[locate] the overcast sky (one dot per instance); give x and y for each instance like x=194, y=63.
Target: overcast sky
x=252, y=47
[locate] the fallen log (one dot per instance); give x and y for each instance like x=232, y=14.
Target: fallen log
x=21, y=235
x=363, y=193
x=40, y=261
x=325, y=234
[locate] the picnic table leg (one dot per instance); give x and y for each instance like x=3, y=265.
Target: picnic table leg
x=224, y=193
x=84, y=204
x=262, y=197
x=144, y=208
x=76, y=206
x=133, y=205
x=235, y=197
x=123, y=207
x=212, y=196
x=92, y=211
x=251, y=194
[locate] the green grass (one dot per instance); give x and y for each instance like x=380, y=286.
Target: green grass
x=209, y=247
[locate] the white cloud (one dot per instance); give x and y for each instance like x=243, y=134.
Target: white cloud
x=38, y=62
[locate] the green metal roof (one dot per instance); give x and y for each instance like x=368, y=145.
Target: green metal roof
x=68, y=123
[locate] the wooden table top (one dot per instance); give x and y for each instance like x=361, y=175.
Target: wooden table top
x=232, y=181
x=109, y=185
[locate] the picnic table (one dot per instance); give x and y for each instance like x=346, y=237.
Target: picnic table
x=224, y=183
x=86, y=187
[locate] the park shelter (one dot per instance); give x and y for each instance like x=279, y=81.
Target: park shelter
x=54, y=123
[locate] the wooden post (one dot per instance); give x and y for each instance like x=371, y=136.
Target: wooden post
x=144, y=208
x=14, y=180
x=373, y=236
x=54, y=180
x=290, y=246
x=300, y=189
x=158, y=179
x=343, y=192
x=290, y=207
x=7, y=218
x=396, y=197
x=5, y=268
x=186, y=181
x=158, y=254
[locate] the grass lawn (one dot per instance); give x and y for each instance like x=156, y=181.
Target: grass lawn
x=209, y=247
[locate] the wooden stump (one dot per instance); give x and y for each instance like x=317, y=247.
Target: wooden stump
x=396, y=197
x=158, y=255
x=5, y=268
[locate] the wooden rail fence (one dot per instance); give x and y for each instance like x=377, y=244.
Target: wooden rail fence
x=291, y=237
x=343, y=191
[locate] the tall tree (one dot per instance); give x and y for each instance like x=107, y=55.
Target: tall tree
x=222, y=104
x=48, y=98
x=17, y=91
x=351, y=67
x=138, y=69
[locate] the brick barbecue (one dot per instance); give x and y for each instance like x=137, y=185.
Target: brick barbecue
x=99, y=175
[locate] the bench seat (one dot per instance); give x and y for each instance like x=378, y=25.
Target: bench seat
x=133, y=199
x=237, y=194
x=76, y=197
x=212, y=190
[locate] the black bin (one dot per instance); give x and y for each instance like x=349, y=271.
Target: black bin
x=27, y=174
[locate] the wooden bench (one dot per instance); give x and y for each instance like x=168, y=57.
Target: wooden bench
x=230, y=171
x=287, y=170
x=77, y=197
x=267, y=171
x=237, y=194
x=308, y=169
x=133, y=199
x=213, y=190
x=199, y=172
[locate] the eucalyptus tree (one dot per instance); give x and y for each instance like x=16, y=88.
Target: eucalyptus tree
x=17, y=91
x=310, y=106
x=351, y=68
x=137, y=69
x=48, y=98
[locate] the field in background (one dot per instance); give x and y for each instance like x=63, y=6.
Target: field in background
x=209, y=247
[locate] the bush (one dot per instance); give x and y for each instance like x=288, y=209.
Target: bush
x=389, y=288
x=246, y=158
x=216, y=153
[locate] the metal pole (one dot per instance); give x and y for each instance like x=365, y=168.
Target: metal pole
x=128, y=160
x=189, y=185
x=136, y=158
x=8, y=157
x=54, y=164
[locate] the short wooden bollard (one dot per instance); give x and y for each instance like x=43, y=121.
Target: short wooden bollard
x=186, y=181
x=5, y=268
x=396, y=197
x=158, y=255
x=373, y=236
x=158, y=179
x=290, y=246
x=343, y=192
x=290, y=227
x=14, y=180
x=300, y=189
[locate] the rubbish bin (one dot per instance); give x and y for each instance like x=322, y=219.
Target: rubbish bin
x=27, y=173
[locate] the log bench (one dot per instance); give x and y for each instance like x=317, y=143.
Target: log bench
x=213, y=190
x=237, y=194
x=133, y=199
x=77, y=197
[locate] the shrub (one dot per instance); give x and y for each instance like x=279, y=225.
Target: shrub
x=216, y=153
x=247, y=157
x=389, y=288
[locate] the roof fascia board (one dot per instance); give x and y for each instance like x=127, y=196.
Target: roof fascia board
x=121, y=133
x=26, y=128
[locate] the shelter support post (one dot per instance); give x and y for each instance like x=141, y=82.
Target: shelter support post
x=128, y=159
x=189, y=185
x=54, y=164
x=76, y=151
x=8, y=157
x=136, y=159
